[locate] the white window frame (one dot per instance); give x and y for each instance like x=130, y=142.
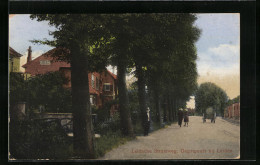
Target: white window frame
x=107, y=85
x=45, y=62
x=92, y=80
x=92, y=100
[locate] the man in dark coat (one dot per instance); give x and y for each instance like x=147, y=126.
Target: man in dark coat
x=180, y=116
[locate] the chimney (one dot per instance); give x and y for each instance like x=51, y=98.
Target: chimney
x=29, y=58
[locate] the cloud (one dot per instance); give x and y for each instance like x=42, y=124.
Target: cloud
x=226, y=52
x=220, y=65
x=221, y=60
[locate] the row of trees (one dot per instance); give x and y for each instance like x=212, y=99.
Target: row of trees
x=159, y=47
x=234, y=100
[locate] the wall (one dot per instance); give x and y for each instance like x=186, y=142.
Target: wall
x=233, y=111
x=16, y=64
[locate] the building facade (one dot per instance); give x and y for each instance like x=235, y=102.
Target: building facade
x=102, y=86
x=14, y=60
x=232, y=111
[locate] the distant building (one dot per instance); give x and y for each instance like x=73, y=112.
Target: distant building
x=232, y=111
x=14, y=60
x=102, y=86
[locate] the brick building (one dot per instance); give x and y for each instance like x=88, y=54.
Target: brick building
x=102, y=86
x=232, y=111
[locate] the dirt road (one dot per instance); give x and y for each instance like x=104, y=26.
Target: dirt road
x=198, y=141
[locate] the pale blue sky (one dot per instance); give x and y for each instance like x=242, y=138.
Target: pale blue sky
x=218, y=46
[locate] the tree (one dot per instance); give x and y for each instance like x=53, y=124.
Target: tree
x=17, y=88
x=120, y=29
x=210, y=95
x=47, y=90
x=75, y=36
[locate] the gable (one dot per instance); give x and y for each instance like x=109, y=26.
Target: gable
x=43, y=64
x=13, y=53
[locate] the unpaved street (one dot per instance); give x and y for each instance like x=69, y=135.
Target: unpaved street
x=198, y=141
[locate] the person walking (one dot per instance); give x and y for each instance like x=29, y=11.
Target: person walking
x=147, y=122
x=180, y=117
x=186, y=117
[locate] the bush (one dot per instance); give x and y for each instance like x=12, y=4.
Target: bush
x=110, y=124
x=39, y=139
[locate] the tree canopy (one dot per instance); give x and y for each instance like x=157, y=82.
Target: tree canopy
x=210, y=95
x=161, y=48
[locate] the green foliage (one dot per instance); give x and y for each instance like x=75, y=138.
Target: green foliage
x=210, y=95
x=85, y=32
x=47, y=90
x=17, y=88
x=109, y=124
x=39, y=139
x=234, y=100
x=134, y=105
x=42, y=90
x=109, y=141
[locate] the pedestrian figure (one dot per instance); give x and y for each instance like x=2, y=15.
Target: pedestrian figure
x=180, y=117
x=147, y=122
x=186, y=118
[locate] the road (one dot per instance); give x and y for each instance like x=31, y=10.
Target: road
x=197, y=141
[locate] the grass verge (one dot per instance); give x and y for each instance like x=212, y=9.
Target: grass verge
x=109, y=141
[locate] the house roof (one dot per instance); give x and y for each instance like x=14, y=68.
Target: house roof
x=47, y=54
x=112, y=74
x=14, y=53
x=34, y=67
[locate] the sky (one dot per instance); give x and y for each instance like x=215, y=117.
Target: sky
x=218, y=47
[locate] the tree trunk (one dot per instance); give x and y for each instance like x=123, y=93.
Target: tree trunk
x=141, y=94
x=174, y=109
x=170, y=108
x=125, y=116
x=83, y=135
x=157, y=106
x=166, y=110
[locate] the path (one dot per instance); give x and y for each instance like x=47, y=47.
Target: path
x=198, y=141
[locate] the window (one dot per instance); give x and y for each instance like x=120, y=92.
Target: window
x=92, y=80
x=97, y=84
x=107, y=86
x=92, y=100
x=45, y=62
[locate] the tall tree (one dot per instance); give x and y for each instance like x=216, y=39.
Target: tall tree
x=78, y=33
x=119, y=29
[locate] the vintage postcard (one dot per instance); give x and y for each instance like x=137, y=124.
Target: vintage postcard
x=134, y=86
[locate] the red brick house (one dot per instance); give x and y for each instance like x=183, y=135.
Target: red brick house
x=102, y=86
x=232, y=111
